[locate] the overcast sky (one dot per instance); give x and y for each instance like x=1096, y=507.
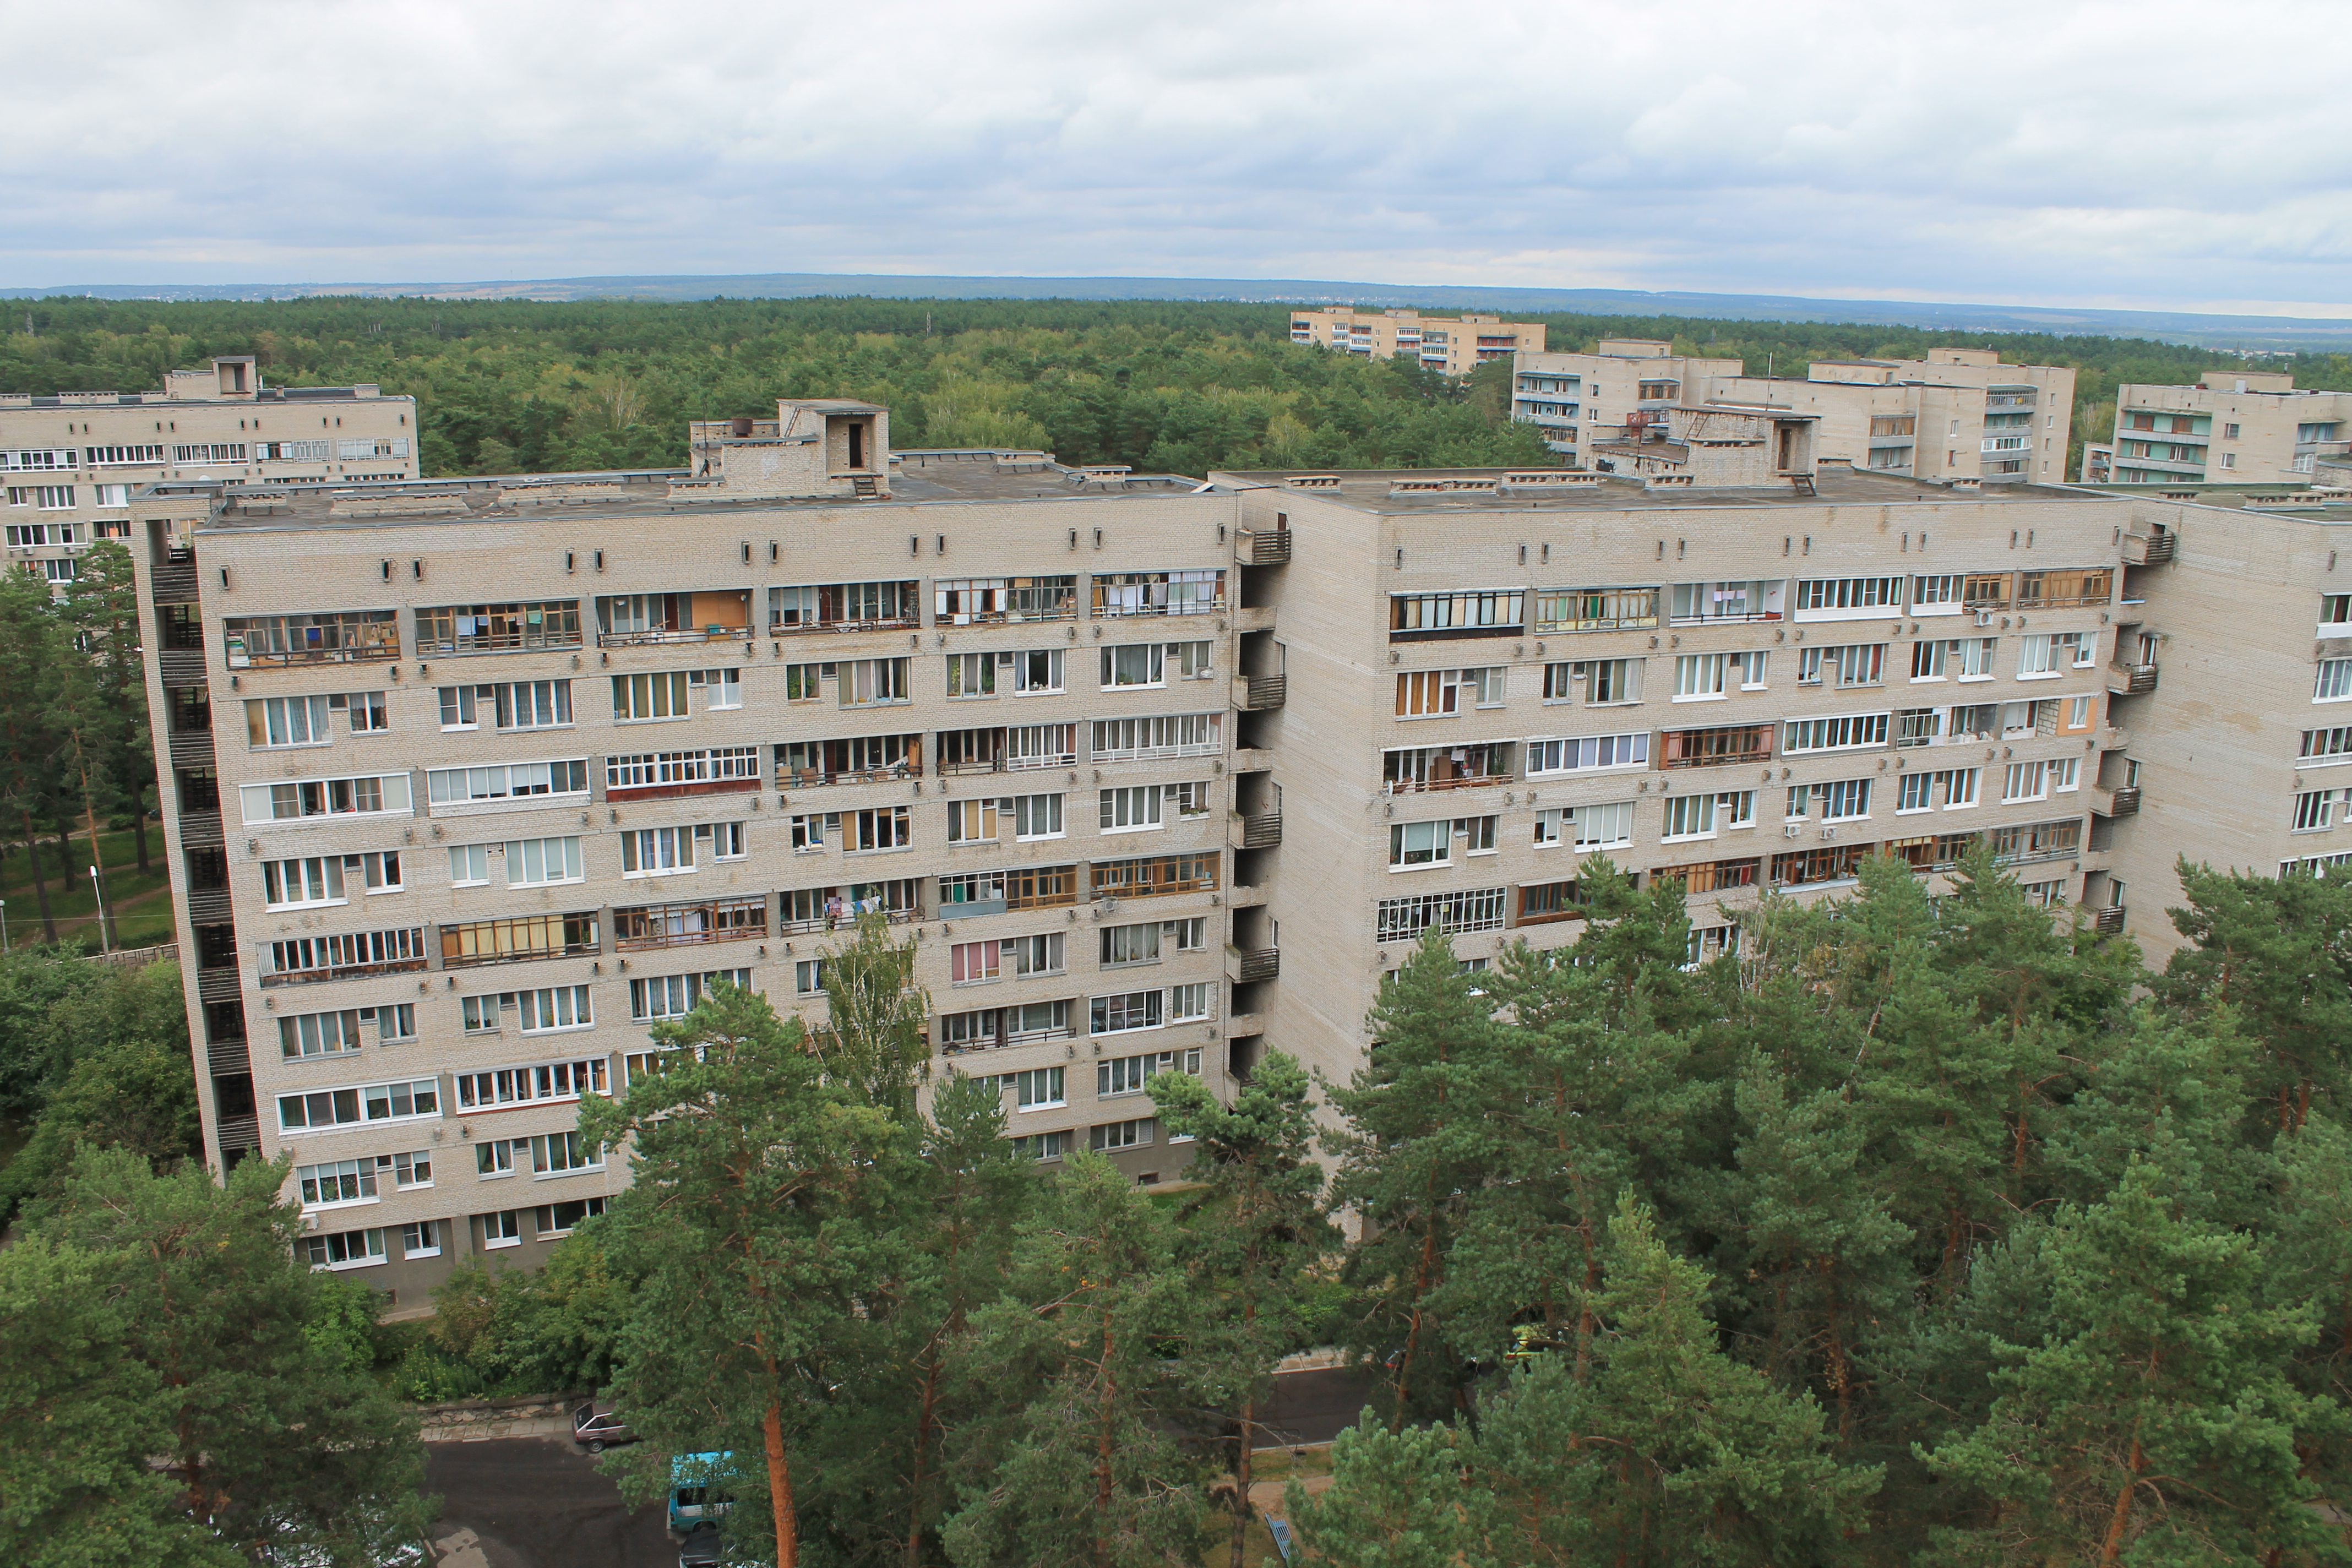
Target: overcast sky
x=2151, y=154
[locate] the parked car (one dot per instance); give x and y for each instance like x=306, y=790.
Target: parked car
x=597, y=1426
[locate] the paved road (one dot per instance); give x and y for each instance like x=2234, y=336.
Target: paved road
x=538, y=1502
x=1314, y=1406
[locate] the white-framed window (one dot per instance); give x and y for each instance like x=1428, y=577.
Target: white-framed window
x=1036, y=816
x=970, y=821
x=1847, y=732
x=1136, y=1134
x=1915, y=792
x=421, y=1238
x=505, y=784
x=1039, y=1088
x=520, y=862
x=1128, y=1075
x=1161, y=735
x=2334, y=683
x=2327, y=747
x=1747, y=666
x=1824, y=598
x=1851, y=664
x=369, y=712
x=1126, y=1011
x=720, y=688
x=1588, y=753
x=385, y=795
x=329, y=1110
x=544, y=1011
x=272, y=722
x=1122, y=946
x=1699, y=677
x=342, y=1249
x=873, y=682
x=1428, y=693
x=2065, y=774
x=1841, y=800
x=2026, y=781
x=29, y=535
x=1469, y=910
x=674, y=995
x=1130, y=809
x=2037, y=656
x=1688, y=816
x=1936, y=595
x=1038, y=671
x=1586, y=827
x=544, y=1083
x=973, y=674
x=1957, y=786
x=1607, y=682
x=304, y=883
x=1041, y=1146
x=666, y=851
x=503, y=1228
x=46, y=498
x=1125, y=665
x=1421, y=843
x=2314, y=810
x=561, y=1153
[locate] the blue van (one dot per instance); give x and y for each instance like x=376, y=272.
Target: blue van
x=697, y=1491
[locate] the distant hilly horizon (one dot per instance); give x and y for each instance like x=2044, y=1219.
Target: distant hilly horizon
x=2260, y=332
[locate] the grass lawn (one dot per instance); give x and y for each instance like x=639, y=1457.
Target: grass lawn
x=143, y=908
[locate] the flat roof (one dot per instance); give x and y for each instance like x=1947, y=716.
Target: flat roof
x=266, y=394
x=1370, y=489
x=925, y=478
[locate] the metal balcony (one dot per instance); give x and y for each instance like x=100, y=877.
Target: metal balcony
x=1255, y=964
x=2131, y=680
x=1259, y=693
x=2147, y=549
x=2109, y=920
x=191, y=747
x=240, y=1132
x=174, y=583
x=201, y=830
x=2124, y=801
x=209, y=904
x=227, y=1058
x=219, y=985
x=181, y=666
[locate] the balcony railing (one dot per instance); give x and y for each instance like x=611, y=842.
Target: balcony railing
x=1254, y=965
x=2131, y=680
x=689, y=925
x=2108, y=922
x=817, y=925
x=812, y=778
x=1261, y=830
x=2124, y=801
x=1267, y=547
x=884, y=624
x=2147, y=549
x=1260, y=693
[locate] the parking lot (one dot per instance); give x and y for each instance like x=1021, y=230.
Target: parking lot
x=538, y=1502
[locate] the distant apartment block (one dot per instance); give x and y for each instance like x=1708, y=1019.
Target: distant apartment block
x=70, y=462
x=1957, y=414
x=2234, y=426
x=1455, y=345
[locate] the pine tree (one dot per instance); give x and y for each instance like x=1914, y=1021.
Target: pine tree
x=197, y=1406
x=2155, y=1421
x=1077, y=1465
x=1258, y=1240
x=1411, y=1151
x=761, y=1205
x=32, y=657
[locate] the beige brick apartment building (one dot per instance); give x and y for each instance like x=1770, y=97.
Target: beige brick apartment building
x=1455, y=345
x=69, y=463
x=2234, y=426
x=473, y=780
x=1957, y=414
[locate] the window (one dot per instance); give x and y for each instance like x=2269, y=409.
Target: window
x=498, y=629
x=321, y=1034
x=1825, y=597
x=2026, y=781
x=1487, y=612
x=1936, y=596
x=1040, y=1088
x=637, y=698
x=1143, y=739
x=47, y=498
x=1608, y=680
x=1036, y=671
x=287, y=721
x=1128, y=810
x=1421, y=843
x=1037, y=817
x=421, y=1238
x=341, y=1249
x=27, y=534
x=1153, y=663
x=309, y=958
x=561, y=1153
x=324, y=1110
x=503, y=1228
x=1957, y=786
x=2335, y=680
x=2326, y=746
x=659, y=851
x=1197, y=593
x=507, y=783
x=1586, y=827
x=368, y=711
x=1701, y=603
x=295, y=884
x=334, y=1184
x=1128, y=1075
x=394, y=1022
x=1587, y=752
x=1123, y=945
x=1699, y=675
x=1114, y=1135
x=1689, y=816
x=529, y=862
x=1915, y=792
x=674, y=995
x=1473, y=910
x=872, y=683
x=667, y=771
x=1843, y=801
x=518, y=938
x=1854, y=664
x=974, y=674
x=512, y=704
x=543, y=1084
x=1843, y=734
x=720, y=688
x=1041, y=1145
x=1130, y=1010
x=1149, y=876
x=2314, y=810
x=1594, y=609
x=1428, y=693
x=1057, y=746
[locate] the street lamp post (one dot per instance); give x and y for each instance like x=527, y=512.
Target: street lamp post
x=97, y=893
x=3, y=925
